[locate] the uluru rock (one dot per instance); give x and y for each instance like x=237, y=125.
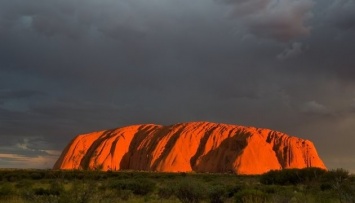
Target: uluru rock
x=186, y=147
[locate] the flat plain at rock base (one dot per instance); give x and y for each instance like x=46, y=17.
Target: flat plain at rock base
x=186, y=147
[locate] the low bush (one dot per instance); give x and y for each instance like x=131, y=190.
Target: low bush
x=124, y=194
x=137, y=186
x=37, y=175
x=55, y=189
x=335, y=176
x=292, y=176
x=7, y=189
x=81, y=191
x=217, y=194
x=234, y=189
x=189, y=191
x=25, y=184
x=251, y=196
x=165, y=192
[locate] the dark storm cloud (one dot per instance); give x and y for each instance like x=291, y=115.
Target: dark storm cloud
x=279, y=20
x=330, y=45
x=70, y=67
x=18, y=94
x=341, y=14
x=290, y=52
x=314, y=107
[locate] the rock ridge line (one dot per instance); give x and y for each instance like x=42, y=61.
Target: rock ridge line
x=186, y=147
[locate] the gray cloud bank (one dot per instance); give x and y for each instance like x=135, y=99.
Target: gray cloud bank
x=69, y=67
x=282, y=20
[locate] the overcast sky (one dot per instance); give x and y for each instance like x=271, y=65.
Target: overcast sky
x=75, y=66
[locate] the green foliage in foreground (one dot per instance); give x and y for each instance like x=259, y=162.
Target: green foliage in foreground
x=291, y=185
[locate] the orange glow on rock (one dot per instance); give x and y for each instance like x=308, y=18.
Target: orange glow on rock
x=186, y=147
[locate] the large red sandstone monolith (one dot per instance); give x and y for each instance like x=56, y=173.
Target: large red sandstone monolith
x=185, y=147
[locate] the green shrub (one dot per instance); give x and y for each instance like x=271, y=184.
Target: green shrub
x=310, y=174
x=339, y=181
x=7, y=189
x=165, y=192
x=217, y=194
x=292, y=176
x=335, y=176
x=124, y=194
x=137, y=186
x=346, y=192
x=251, y=196
x=25, y=184
x=11, y=177
x=270, y=189
x=37, y=175
x=234, y=189
x=42, y=191
x=189, y=191
x=80, y=192
x=326, y=186
x=55, y=189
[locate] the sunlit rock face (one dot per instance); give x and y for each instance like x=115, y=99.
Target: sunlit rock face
x=186, y=147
